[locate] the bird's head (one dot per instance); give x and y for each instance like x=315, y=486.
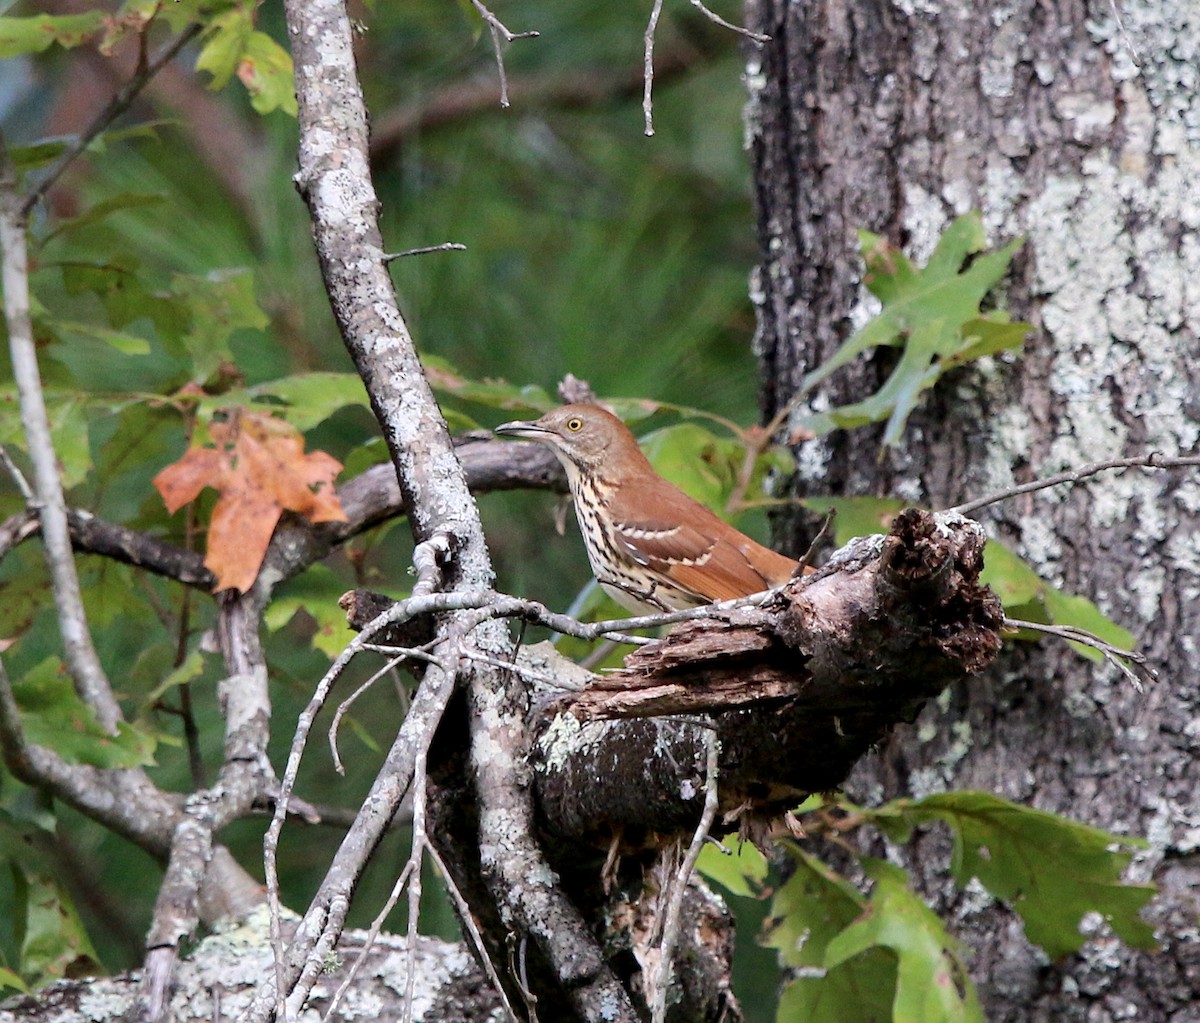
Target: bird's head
x=583, y=436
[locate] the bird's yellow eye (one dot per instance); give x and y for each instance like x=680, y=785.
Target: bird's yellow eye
x=575, y=424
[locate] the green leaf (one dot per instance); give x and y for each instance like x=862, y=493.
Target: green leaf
x=8, y=979
x=857, y=516
x=1021, y=590
x=1072, y=609
x=101, y=211
x=124, y=296
x=499, y=394
x=39, y=154
x=26, y=588
x=706, y=466
x=220, y=304
x=932, y=985
x=991, y=333
x=33, y=35
x=225, y=40
x=311, y=398
x=1014, y=581
x=807, y=914
x=367, y=454
x=53, y=715
x=55, y=942
x=181, y=13
x=265, y=69
x=932, y=313
x=1027, y=596
x=742, y=870
x=692, y=457
x=1051, y=870
x=126, y=344
x=67, y=412
x=190, y=670
x=315, y=592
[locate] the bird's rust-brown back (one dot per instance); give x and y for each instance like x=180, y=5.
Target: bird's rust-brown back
x=648, y=542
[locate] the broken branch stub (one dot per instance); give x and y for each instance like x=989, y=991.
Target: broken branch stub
x=797, y=689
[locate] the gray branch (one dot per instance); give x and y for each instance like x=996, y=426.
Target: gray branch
x=82, y=662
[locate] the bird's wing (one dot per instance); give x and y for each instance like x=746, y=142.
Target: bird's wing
x=698, y=551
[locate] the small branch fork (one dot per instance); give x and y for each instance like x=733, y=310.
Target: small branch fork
x=660, y=982
x=1154, y=460
x=648, y=52
x=500, y=35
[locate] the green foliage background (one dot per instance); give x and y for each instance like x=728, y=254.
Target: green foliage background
x=172, y=259
x=590, y=249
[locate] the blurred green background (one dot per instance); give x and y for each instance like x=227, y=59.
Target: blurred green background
x=591, y=249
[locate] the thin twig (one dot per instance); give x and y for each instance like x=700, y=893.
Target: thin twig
x=661, y=982
x=18, y=477
x=87, y=674
x=428, y=557
x=414, y=882
x=1140, y=671
x=1154, y=460
x=500, y=31
x=115, y=107
x=809, y=554
x=467, y=918
x=648, y=67
x=472, y=654
x=373, y=934
x=758, y=37
x=1136, y=60
x=424, y=250
x=401, y=655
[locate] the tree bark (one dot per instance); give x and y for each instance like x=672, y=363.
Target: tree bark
x=1077, y=125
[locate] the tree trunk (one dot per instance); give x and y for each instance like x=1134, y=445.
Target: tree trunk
x=1077, y=126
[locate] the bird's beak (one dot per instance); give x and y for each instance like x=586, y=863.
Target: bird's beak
x=521, y=428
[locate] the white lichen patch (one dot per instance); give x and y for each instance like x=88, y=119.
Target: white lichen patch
x=1158, y=44
x=915, y=7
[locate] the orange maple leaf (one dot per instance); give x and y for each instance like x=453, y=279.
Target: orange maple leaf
x=260, y=468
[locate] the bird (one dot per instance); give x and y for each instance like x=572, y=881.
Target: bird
x=652, y=548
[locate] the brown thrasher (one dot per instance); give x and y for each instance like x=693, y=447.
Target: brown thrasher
x=652, y=547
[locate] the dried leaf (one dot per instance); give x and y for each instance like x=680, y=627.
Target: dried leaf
x=260, y=469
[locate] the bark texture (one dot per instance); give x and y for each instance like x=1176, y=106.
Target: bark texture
x=218, y=980
x=1077, y=125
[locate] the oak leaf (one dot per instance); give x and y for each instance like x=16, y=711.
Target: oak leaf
x=260, y=469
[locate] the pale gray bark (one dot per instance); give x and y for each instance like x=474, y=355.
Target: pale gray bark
x=1078, y=125
x=217, y=982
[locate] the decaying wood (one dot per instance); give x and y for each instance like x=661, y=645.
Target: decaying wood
x=798, y=689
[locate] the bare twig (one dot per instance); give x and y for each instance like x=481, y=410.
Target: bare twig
x=398, y=657
x=713, y=16
x=661, y=983
x=648, y=67
x=534, y=676
x=369, y=941
x=428, y=557
x=388, y=257
x=115, y=108
x=467, y=918
x=1116, y=12
x=1141, y=670
x=419, y=843
x=822, y=533
x=499, y=31
x=86, y=672
x=1154, y=460
x=16, y=476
